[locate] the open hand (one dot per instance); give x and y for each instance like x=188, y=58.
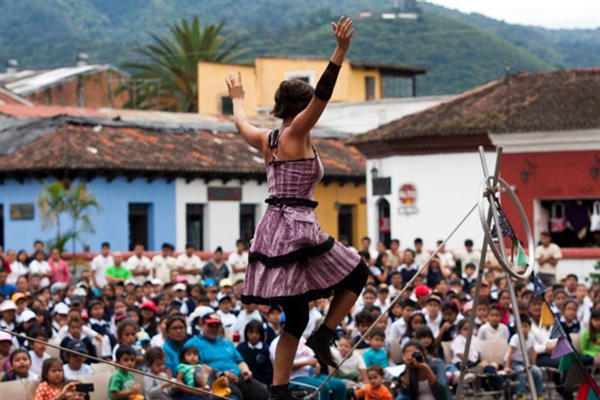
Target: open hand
x=236, y=90
x=342, y=32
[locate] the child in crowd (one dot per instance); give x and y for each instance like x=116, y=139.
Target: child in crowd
x=376, y=355
x=353, y=370
x=38, y=354
x=450, y=320
x=190, y=370
x=127, y=335
x=148, y=321
x=458, y=349
x=76, y=365
x=514, y=360
x=75, y=327
x=415, y=321
x=5, y=346
x=560, y=296
x=255, y=352
x=427, y=339
x=53, y=385
x=433, y=316
x=568, y=318
x=155, y=389
x=483, y=308
x=398, y=328
x=122, y=384
x=590, y=339
x=504, y=305
x=363, y=321
x=20, y=364
x=275, y=321
x=493, y=329
x=375, y=388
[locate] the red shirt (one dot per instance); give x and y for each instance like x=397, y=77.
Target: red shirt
x=60, y=271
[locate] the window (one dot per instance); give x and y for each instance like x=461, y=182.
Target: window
x=397, y=86
x=247, y=222
x=369, y=88
x=568, y=221
x=307, y=75
x=226, y=106
x=139, y=224
x=2, y=225
x=346, y=223
x=195, y=225
x=384, y=220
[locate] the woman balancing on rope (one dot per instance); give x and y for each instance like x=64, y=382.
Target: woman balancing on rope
x=291, y=261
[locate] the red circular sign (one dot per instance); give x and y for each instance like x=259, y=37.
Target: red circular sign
x=407, y=194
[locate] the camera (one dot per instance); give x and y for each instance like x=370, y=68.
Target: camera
x=418, y=356
x=84, y=387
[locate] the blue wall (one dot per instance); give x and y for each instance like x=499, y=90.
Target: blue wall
x=111, y=223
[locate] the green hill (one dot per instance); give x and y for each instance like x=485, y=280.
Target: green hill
x=460, y=50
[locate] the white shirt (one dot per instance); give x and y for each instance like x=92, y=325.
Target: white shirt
x=243, y=319
x=458, y=347
x=157, y=340
x=36, y=362
x=71, y=375
x=40, y=267
x=488, y=332
x=16, y=270
x=584, y=312
x=470, y=257
x=99, y=265
x=551, y=251
x=163, y=266
x=514, y=342
x=193, y=262
x=135, y=262
x=303, y=353
x=228, y=319
x=434, y=324
x=313, y=316
x=239, y=261
x=421, y=257
x=354, y=363
x=398, y=329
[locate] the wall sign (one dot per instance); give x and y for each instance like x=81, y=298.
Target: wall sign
x=21, y=211
x=408, y=197
x=382, y=186
x=224, y=194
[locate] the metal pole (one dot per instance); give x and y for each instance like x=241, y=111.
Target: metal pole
x=463, y=366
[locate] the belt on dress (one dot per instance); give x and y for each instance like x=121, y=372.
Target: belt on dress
x=291, y=201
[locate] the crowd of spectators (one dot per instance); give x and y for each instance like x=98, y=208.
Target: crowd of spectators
x=181, y=318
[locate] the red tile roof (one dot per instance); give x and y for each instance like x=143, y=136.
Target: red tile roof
x=23, y=111
x=93, y=146
x=525, y=102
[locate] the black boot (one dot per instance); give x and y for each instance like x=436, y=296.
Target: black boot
x=282, y=392
x=320, y=341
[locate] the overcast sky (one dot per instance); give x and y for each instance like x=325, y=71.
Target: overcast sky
x=546, y=13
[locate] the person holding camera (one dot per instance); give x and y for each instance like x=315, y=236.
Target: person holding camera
x=423, y=378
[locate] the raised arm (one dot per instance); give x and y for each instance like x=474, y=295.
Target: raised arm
x=254, y=136
x=308, y=118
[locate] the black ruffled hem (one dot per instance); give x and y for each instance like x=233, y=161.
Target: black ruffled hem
x=354, y=281
x=301, y=255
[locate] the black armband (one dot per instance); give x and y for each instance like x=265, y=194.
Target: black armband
x=324, y=88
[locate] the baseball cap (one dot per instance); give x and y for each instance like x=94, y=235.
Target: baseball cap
x=57, y=287
x=148, y=304
x=212, y=318
x=130, y=282
x=157, y=281
x=17, y=296
x=61, y=308
x=121, y=315
x=210, y=282
x=78, y=346
x=225, y=282
x=142, y=336
x=181, y=278
x=179, y=286
x=434, y=297
x=222, y=297
x=80, y=292
x=468, y=306
x=27, y=315
x=422, y=290
x=8, y=305
x=5, y=337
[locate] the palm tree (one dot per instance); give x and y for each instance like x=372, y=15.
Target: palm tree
x=171, y=74
x=79, y=201
x=52, y=203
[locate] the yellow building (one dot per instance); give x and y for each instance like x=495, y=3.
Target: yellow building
x=358, y=81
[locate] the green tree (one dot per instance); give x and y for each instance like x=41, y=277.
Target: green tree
x=171, y=73
x=79, y=202
x=56, y=200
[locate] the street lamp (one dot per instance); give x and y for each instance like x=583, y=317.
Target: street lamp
x=374, y=172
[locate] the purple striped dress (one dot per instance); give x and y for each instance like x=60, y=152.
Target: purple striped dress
x=290, y=257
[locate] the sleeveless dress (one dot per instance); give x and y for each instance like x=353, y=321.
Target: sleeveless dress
x=290, y=258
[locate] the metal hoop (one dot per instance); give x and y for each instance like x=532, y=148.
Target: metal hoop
x=486, y=229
